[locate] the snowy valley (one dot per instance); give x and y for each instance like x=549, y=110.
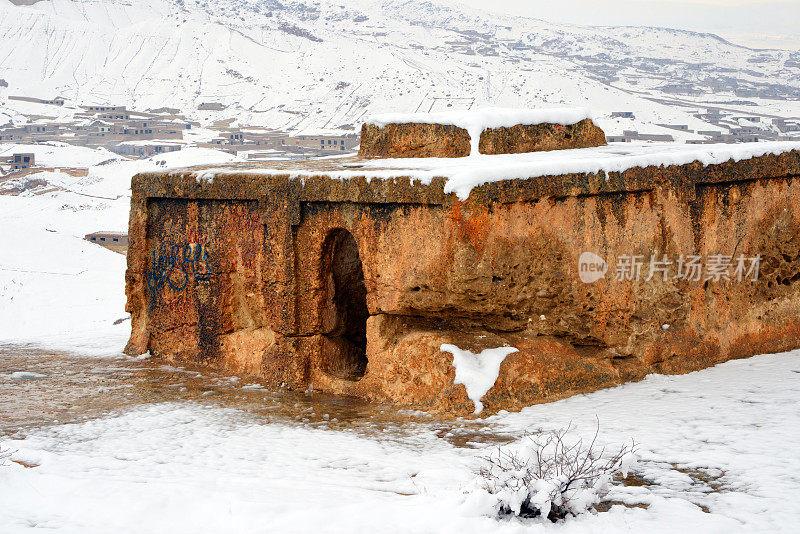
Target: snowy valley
x=311, y=66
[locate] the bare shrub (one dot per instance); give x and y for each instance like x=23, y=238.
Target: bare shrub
x=5, y=455
x=551, y=474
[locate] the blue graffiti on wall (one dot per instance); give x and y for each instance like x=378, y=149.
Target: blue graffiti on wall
x=178, y=265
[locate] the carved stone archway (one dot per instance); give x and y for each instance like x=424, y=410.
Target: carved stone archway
x=344, y=310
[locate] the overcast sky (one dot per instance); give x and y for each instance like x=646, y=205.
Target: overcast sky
x=757, y=23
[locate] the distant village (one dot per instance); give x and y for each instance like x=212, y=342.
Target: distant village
x=733, y=128
x=141, y=134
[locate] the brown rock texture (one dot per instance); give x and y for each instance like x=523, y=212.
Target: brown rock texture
x=418, y=140
x=541, y=137
x=413, y=140
x=352, y=285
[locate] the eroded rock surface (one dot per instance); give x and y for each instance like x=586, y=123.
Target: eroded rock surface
x=418, y=140
x=541, y=137
x=414, y=140
x=353, y=285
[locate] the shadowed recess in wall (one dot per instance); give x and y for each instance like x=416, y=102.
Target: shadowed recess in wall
x=344, y=317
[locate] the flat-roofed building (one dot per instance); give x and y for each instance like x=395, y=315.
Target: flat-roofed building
x=102, y=109
x=679, y=127
x=57, y=101
x=23, y=160
x=145, y=149
x=115, y=115
x=655, y=137
x=116, y=241
x=328, y=143
x=211, y=106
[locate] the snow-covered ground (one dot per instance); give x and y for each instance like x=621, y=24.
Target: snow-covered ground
x=718, y=450
x=718, y=447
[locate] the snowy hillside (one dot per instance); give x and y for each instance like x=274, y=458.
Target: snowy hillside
x=326, y=64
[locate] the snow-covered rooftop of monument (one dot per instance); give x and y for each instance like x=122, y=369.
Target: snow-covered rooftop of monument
x=464, y=174
x=481, y=119
x=476, y=121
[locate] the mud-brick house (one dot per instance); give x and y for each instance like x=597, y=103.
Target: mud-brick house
x=600, y=264
x=57, y=101
x=94, y=109
x=327, y=143
x=145, y=149
x=22, y=160
x=116, y=241
x=211, y=106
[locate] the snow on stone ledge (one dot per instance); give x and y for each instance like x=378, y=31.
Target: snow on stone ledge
x=464, y=174
x=477, y=372
x=476, y=121
x=482, y=119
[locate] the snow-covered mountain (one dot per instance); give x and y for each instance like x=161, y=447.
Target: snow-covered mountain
x=306, y=65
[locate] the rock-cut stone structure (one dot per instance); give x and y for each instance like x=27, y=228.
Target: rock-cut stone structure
x=600, y=264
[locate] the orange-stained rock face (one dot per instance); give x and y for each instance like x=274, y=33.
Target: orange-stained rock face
x=541, y=137
x=413, y=141
x=418, y=140
x=353, y=286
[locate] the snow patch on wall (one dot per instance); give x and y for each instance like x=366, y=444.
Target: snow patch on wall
x=25, y=375
x=477, y=372
x=206, y=178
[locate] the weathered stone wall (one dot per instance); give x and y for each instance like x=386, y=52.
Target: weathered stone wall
x=277, y=291
x=419, y=140
x=413, y=141
x=541, y=137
